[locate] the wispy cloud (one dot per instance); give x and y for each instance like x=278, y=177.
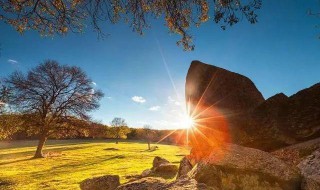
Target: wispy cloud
x=138, y=99
x=12, y=61
x=175, y=102
x=95, y=84
x=154, y=108
x=109, y=97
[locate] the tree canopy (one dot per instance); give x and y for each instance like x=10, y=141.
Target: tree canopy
x=62, y=16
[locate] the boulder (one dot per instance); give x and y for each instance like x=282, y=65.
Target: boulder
x=166, y=168
x=107, y=182
x=215, y=96
x=148, y=183
x=237, y=167
x=208, y=85
x=157, y=161
x=310, y=169
x=184, y=167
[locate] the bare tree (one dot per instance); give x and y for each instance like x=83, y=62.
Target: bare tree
x=61, y=16
x=51, y=96
x=148, y=134
x=118, y=124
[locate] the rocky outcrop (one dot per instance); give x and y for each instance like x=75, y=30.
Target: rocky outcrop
x=237, y=167
x=229, y=108
x=310, y=169
x=108, y=182
x=282, y=121
x=184, y=167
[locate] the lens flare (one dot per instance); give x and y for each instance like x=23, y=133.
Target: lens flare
x=187, y=122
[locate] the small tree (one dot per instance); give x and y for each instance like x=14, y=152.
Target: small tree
x=148, y=135
x=119, y=127
x=52, y=96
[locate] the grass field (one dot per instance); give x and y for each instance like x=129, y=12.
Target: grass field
x=75, y=160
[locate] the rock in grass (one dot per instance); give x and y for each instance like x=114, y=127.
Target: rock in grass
x=107, y=182
x=166, y=168
x=184, y=167
x=148, y=183
x=237, y=167
x=157, y=161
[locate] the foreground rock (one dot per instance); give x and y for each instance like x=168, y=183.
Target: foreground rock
x=157, y=161
x=153, y=183
x=108, y=182
x=148, y=183
x=184, y=167
x=187, y=184
x=237, y=167
x=310, y=169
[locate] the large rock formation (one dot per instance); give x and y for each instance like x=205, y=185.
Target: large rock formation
x=237, y=167
x=208, y=85
x=229, y=108
x=214, y=97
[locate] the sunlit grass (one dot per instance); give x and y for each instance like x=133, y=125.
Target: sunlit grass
x=75, y=161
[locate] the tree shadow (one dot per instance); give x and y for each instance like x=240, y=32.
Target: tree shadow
x=15, y=161
x=27, y=153
x=75, y=167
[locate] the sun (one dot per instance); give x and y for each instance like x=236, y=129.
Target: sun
x=187, y=121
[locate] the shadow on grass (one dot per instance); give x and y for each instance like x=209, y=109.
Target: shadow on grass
x=15, y=161
x=75, y=167
x=27, y=153
x=114, y=149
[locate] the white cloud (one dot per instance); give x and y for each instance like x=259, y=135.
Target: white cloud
x=12, y=61
x=109, y=97
x=138, y=99
x=95, y=84
x=154, y=108
x=175, y=102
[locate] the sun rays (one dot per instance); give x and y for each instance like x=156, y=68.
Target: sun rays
x=199, y=125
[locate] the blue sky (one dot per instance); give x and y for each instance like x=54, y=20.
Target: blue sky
x=279, y=54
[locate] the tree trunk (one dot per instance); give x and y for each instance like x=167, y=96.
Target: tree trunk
x=117, y=140
x=42, y=141
x=149, y=145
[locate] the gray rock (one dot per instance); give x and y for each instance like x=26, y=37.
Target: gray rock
x=108, y=182
x=184, y=167
x=157, y=161
x=237, y=167
x=166, y=168
x=148, y=183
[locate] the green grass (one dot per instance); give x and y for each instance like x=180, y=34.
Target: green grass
x=75, y=161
